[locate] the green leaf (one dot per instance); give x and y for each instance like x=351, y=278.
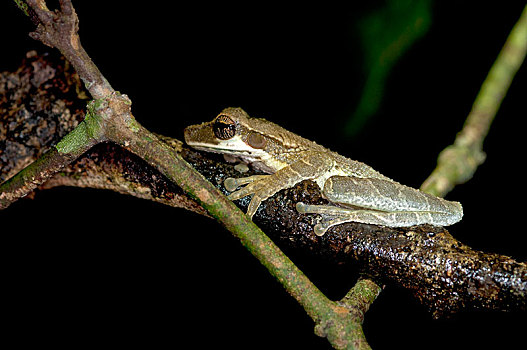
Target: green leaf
x=385, y=36
x=23, y=6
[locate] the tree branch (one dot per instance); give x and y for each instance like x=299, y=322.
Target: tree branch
x=59, y=29
x=109, y=118
x=436, y=268
x=457, y=163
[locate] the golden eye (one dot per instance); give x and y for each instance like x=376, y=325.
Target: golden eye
x=256, y=140
x=224, y=127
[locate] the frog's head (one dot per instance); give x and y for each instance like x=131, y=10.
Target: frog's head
x=232, y=132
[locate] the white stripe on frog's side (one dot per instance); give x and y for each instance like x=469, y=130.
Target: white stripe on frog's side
x=236, y=147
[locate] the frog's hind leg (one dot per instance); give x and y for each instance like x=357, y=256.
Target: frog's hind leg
x=380, y=202
x=332, y=215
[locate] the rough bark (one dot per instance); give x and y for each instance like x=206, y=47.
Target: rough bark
x=43, y=100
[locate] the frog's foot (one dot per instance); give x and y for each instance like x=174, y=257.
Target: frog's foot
x=327, y=221
x=231, y=184
x=331, y=215
x=260, y=186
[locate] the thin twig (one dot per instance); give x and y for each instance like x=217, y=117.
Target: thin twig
x=340, y=326
x=73, y=145
x=457, y=163
x=59, y=29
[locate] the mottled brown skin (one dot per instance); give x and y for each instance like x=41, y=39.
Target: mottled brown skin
x=356, y=191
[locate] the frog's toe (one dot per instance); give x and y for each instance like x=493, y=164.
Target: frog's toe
x=253, y=205
x=301, y=207
x=326, y=222
x=231, y=184
x=237, y=195
x=320, y=229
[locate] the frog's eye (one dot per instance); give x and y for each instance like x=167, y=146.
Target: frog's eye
x=256, y=140
x=224, y=127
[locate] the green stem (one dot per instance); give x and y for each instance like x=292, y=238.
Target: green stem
x=361, y=296
x=339, y=325
x=22, y=6
x=458, y=162
x=68, y=149
x=147, y=146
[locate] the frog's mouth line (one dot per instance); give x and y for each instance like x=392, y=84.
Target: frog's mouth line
x=210, y=148
x=235, y=148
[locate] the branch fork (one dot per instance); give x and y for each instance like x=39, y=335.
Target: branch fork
x=59, y=29
x=55, y=29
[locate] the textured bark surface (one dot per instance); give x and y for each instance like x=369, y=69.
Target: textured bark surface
x=43, y=100
x=39, y=104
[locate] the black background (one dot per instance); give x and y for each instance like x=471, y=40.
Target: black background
x=86, y=266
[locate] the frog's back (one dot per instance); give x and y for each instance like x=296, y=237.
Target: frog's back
x=289, y=147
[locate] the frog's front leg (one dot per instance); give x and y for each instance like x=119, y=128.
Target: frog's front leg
x=264, y=186
x=380, y=202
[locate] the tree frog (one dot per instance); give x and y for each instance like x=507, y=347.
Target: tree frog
x=356, y=191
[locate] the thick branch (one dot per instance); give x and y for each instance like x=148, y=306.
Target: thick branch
x=443, y=273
